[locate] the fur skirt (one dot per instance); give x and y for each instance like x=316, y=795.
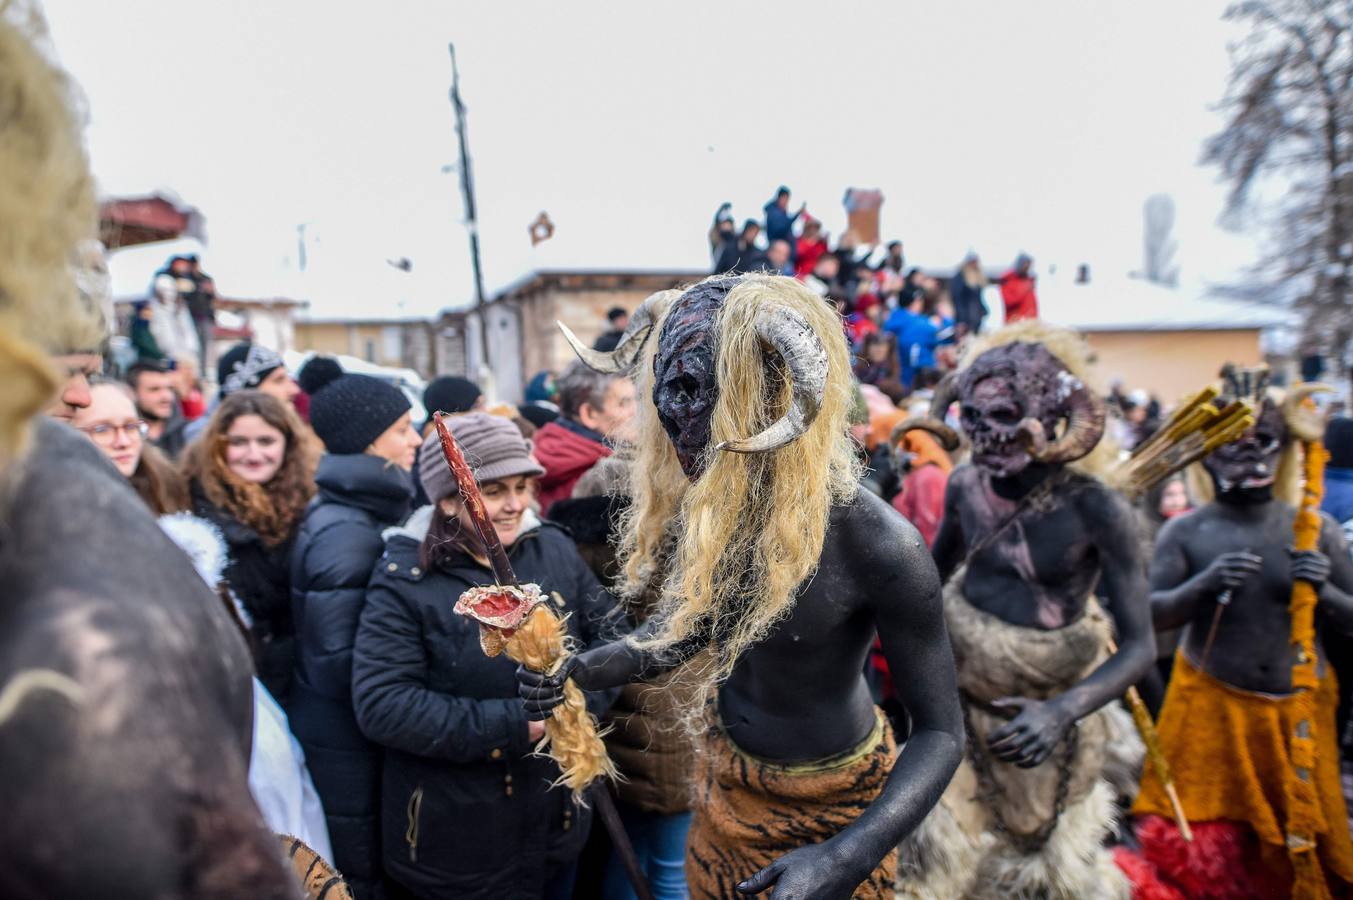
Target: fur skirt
x=749, y=812
x=1001, y=831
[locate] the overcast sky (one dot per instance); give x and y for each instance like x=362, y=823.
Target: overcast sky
x=995, y=126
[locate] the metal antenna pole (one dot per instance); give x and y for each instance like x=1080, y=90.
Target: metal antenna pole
x=471, y=221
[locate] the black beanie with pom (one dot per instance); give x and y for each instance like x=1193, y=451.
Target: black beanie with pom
x=349, y=411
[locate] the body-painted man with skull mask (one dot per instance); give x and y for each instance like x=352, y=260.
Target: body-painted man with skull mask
x=1043, y=568
x=1227, y=571
x=777, y=572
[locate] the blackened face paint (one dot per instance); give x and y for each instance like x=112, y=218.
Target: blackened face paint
x=1250, y=463
x=685, y=386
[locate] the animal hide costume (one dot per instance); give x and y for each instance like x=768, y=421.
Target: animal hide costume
x=747, y=526
x=1028, y=826
x=749, y=812
x=1000, y=830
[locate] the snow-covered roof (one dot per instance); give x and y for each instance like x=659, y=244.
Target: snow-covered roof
x=1131, y=304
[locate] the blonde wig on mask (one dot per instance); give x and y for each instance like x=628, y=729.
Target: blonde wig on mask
x=728, y=552
x=46, y=209
x=1073, y=353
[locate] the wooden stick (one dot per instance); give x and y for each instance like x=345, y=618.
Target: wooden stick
x=1146, y=727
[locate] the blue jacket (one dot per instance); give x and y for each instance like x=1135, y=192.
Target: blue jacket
x=917, y=337
x=1338, y=500
x=779, y=224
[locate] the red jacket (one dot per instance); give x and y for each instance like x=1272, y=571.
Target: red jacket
x=1017, y=292
x=566, y=457
x=922, y=500
x=807, y=255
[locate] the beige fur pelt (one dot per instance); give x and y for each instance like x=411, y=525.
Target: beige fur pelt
x=46, y=209
x=945, y=859
x=969, y=845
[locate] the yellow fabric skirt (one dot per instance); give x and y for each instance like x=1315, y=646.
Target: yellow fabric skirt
x=1229, y=754
x=749, y=812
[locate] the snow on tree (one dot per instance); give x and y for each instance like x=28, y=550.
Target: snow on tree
x=1286, y=153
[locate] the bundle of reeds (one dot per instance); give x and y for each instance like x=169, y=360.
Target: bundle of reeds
x=1196, y=428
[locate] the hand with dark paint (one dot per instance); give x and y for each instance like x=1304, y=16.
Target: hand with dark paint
x=1230, y=570
x=1030, y=738
x=1310, y=566
x=822, y=871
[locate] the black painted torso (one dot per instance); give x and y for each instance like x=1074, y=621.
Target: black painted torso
x=800, y=694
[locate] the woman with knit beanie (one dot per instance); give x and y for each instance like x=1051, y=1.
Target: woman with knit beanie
x=467, y=809
x=364, y=487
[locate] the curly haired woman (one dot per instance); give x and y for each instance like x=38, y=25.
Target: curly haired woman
x=252, y=475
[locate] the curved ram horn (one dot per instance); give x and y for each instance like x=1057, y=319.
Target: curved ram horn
x=801, y=349
x=1303, y=421
x=1084, y=427
x=946, y=392
x=1033, y=436
x=632, y=341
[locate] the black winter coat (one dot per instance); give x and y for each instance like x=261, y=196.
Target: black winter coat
x=969, y=309
x=260, y=578
x=335, y=549
x=467, y=812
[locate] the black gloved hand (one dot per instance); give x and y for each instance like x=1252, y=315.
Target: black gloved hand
x=542, y=693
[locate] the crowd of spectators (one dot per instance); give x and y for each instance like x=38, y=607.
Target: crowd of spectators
x=405, y=753
x=906, y=325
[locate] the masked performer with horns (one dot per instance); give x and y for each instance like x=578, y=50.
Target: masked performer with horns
x=1042, y=568
x=746, y=520
x=125, y=695
x=1248, y=723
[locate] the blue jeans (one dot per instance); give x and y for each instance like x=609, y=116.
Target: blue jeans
x=660, y=843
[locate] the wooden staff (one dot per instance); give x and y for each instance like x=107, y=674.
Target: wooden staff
x=1146, y=727
x=1303, y=804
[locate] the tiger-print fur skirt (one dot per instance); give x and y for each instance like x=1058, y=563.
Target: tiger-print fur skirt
x=749, y=812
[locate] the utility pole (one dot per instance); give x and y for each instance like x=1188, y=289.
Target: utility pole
x=472, y=223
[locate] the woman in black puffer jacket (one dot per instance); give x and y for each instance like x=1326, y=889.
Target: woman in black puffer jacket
x=467, y=810
x=364, y=487
x=252, y=473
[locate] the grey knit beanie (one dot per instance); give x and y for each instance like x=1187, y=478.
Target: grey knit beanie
x=493, y=446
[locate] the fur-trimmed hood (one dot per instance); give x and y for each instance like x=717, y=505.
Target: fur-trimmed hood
x=415, y=528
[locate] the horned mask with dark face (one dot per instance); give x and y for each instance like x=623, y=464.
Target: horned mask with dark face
x=685, y=369
x=1246, y=468
x=1014, y=400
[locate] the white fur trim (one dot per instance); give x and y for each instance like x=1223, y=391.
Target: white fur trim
x=206, y=548
x=415, y=526
x=201, y=541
